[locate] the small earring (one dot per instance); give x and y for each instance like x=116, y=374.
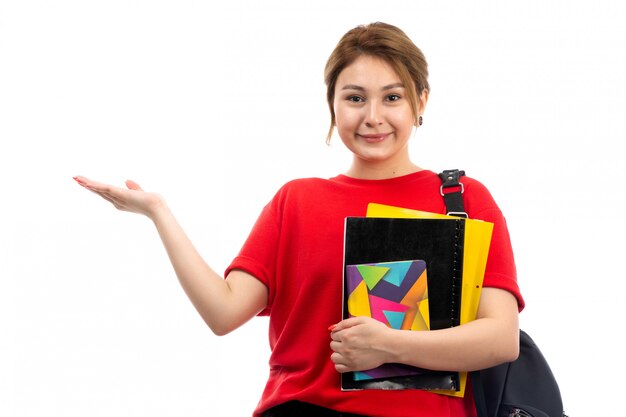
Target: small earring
x=420, y=120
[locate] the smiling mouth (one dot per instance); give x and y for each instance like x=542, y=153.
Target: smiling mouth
x=373, y=138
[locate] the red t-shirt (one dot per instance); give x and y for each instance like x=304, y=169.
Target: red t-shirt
x=296, y=249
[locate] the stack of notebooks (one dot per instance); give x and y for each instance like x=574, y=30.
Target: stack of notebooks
x=414, y=271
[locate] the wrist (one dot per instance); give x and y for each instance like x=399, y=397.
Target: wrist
x=158, y=210
x=396, y=345
x=388, y=344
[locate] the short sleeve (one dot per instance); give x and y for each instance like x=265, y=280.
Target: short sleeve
x=257, y=256
x=500, y=271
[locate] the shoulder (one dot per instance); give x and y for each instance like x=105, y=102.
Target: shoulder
x=479, y=201
x=302, y=186
x=300, y=190
x=474, y=186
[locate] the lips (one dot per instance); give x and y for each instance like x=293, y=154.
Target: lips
x=374, y=137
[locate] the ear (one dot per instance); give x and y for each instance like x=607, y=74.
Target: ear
x=423, y=99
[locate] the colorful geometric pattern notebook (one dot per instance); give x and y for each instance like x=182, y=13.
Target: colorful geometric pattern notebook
x=394, y=293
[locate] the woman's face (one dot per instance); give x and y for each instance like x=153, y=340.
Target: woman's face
x=373, y=115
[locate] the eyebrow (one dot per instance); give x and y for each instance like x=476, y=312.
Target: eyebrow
x=359, y=88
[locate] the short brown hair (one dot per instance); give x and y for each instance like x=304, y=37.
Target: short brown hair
x=384, y=41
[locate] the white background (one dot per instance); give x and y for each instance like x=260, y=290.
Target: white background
x=215, y=105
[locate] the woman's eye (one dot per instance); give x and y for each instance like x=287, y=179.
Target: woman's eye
x=355, y=99
x=393, y=97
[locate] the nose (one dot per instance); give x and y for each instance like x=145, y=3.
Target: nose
x=373, y=114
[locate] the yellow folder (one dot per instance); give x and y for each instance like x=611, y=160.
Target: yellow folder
x=476, y=249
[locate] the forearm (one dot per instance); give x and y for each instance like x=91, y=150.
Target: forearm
x=213, y=297
x=223, y=304
x=491, y=339
x=475, y=345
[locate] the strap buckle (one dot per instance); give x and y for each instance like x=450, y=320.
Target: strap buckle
x=450, y=178
x=458, y=214
x=452, y=190
x=447, y=187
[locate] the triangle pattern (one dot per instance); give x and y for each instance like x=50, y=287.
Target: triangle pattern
x=372, y=274
x=394, y=318
x=380, y=306
x=358, y=301
x=397, y=272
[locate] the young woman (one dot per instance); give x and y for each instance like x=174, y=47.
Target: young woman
x=291, y=265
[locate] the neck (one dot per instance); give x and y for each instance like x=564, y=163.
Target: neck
x=373, y=171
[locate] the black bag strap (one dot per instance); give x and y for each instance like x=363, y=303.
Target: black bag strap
x=479, y=394
x=452, y=191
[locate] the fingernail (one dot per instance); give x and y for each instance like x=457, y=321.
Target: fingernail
x=332, y=327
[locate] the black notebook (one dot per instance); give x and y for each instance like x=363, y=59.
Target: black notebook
x=393, y=269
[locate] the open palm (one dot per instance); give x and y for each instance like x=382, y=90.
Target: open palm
x=133, y=198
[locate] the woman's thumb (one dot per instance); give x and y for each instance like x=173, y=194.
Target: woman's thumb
x=132, y=185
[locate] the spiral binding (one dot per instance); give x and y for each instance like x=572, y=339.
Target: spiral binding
x=457, y=271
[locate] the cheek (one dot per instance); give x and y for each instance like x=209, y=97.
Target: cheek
x=404, y=119
x=346, y=118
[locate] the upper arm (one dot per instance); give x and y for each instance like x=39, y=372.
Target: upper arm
x=500, y=307
x=247, y=297
x=499, y=304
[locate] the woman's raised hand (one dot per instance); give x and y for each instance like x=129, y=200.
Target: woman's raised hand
x=132, y=198
x=224, y=304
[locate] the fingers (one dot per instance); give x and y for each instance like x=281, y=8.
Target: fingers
x=90, y=184
x=112, y=198
x=81, y=180
x=114, y=195
x=99, y=186
x=347, y=323
x=344, y=359
x=336, y=330
x=131, y=198
x=106, y=197
x=132, y=185
x=339, y=357
x=337, y=360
